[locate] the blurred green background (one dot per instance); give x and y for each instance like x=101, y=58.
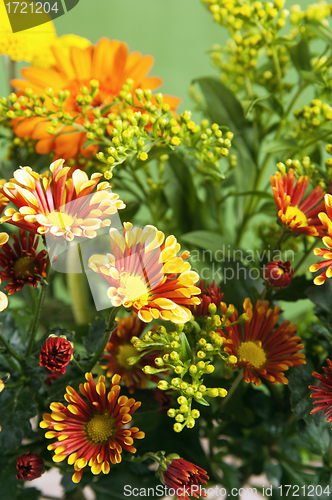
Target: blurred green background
x=178, y=33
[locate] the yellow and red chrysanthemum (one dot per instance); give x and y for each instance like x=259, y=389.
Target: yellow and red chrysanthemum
x=90, y=429
x=3, y=199
x=298, y=215
x=119, y=348
x=110, y=63
x=326, y=220
x=21, y=262
x=61, y=205
x=183, y=478
x=146, y=274
x=261, y=350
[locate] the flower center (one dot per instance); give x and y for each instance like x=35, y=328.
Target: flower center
x=100, y=428
x=25, y=267
x=296, y=215
x=60, y=220
x=135, y=288
x=124, y=352
x=252, y=353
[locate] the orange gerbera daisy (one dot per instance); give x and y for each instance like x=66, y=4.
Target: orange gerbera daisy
x=326, y=220
x=296, y=215
x=60, y=205
x=260, y=350
x=120, y=348
x=110, y=63
x=146, y=274
x=91, y=431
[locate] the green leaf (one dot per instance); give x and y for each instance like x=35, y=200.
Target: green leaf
x=297, y=290
x=320, y=31
x=299, y=379
x=273, y=473
x=186, y=352
x=17, y=407
x=95, y=335
x=279, y=146
x=310, y=77
x=204, y=239
x=300, y=55
x=316, y=437
x=90, y=142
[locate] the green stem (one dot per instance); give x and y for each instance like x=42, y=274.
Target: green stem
x=305, y=256
x=234, y=385
x=77, y=364
x=10, y=350
x=78, y=288
x=11, y=72
x=108, y=331
x=36, y=319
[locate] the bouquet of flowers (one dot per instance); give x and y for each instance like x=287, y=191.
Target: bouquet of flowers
x=153, y=264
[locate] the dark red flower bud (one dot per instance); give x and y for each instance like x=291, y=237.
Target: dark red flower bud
x=209, y=295
x=56, y=353
x=182, y=476
x=278, y=274
x=29, y=466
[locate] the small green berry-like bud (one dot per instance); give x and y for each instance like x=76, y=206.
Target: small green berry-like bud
x=177, y=427
x=182, y=400
x=163, y=385
x=195, y=413
x=171, y=412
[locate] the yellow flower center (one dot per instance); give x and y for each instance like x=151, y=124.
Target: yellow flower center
x=124, y=352
x=252, y=353
x=292, y=212
x=100, y=428
x=135, y=288
x=25, y=266
x=61, y=220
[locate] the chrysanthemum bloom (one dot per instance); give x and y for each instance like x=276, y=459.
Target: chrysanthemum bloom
x=146, y=274
x=108, y=62
x=90, y=430
x=119, y=348
x=29, y=466
x=326, y=220
x=208, y=295
x=182, y=476
x=278, y=274
x=261, y=350
x=65, y=207
x=298, y=215
x=21, y=262
x=56, y=353
x=323, y=392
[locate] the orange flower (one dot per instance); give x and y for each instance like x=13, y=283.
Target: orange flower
x=260, y=350
x=90, y=430
x=296, y=215
x=326, y=220
x=64, y=207
x=145, y=274
x=120, y=348
x=110, y=63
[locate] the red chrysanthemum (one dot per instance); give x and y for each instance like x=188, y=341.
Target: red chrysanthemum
x=93, y=429
x=181, y=476
x=56, y=353
x=29, y=466
x=278, y=274
x=119, y=348
x=261, y=350
x=298, y=215
x=323, y=392
x=21, y=262
x=209, y=295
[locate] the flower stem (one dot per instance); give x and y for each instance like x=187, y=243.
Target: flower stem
x=110, y=327
x=78, y=288
x=11, y=72
x=234, y=385
x=305, y=256
x=10, y=350
x=36, y=319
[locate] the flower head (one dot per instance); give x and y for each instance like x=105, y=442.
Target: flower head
x=326, y=220
x=298, y=215
x=278, y=274
x=119, y=348
x=56, y=353
x=90, y=429
x=108, y=62
x=63, y=206
x=21, y=262
x=208, y=295
x=29, y=466
x=181, y=476
x=146, y=274
x=323, y=392
x=262, y=350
